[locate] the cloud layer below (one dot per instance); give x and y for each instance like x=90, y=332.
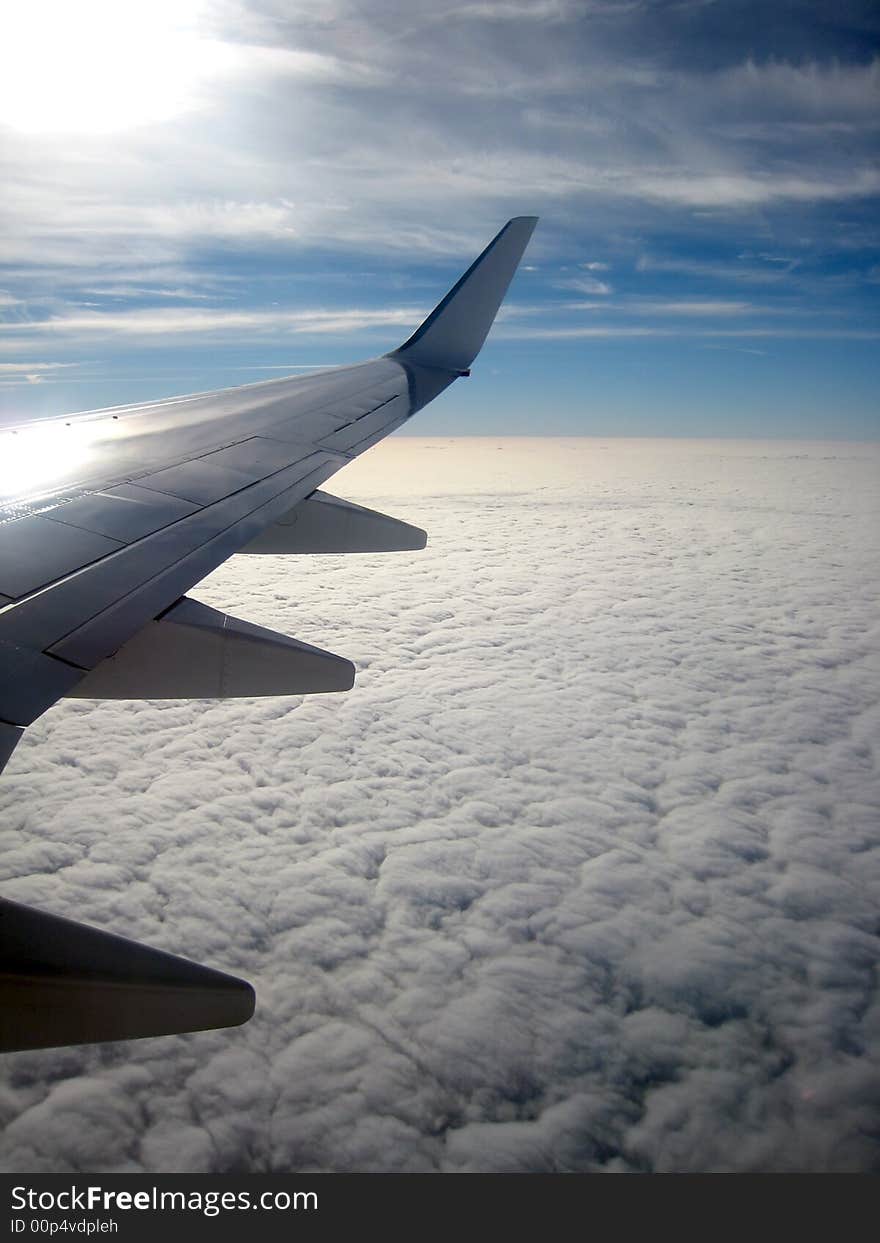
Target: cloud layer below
x=582, y=875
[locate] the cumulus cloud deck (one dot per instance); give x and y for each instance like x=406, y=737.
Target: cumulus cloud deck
x=605, y=902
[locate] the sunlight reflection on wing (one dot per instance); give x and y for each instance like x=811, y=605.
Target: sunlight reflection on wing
x=37, y=457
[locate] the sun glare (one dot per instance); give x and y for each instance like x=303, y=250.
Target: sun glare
x=100, y=66
x=35, y=458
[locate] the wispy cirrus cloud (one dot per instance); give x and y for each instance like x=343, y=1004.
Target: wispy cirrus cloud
x=523, y=10
x=8, y=368
x=710, y=307
x=12, y=374
x=206, y=322
x=568, y=332
x=731, y=270
x=586, y=284
x=732, y=190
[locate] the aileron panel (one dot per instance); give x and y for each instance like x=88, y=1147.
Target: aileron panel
x=126, y=513
x=258, y=454
x=35, y=551
x=198, y=481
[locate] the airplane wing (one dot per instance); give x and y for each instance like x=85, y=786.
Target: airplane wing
x=108, y=518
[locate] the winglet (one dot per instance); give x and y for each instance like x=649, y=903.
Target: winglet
x=452, y=335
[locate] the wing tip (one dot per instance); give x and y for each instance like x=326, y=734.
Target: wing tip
x=453, y=334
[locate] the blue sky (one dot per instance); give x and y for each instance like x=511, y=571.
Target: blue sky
x=205, y=194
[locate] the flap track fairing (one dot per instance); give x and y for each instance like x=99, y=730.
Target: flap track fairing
x=327, y=524
x=195, y=652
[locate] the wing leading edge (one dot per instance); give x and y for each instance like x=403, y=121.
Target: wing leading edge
x=141, y=502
